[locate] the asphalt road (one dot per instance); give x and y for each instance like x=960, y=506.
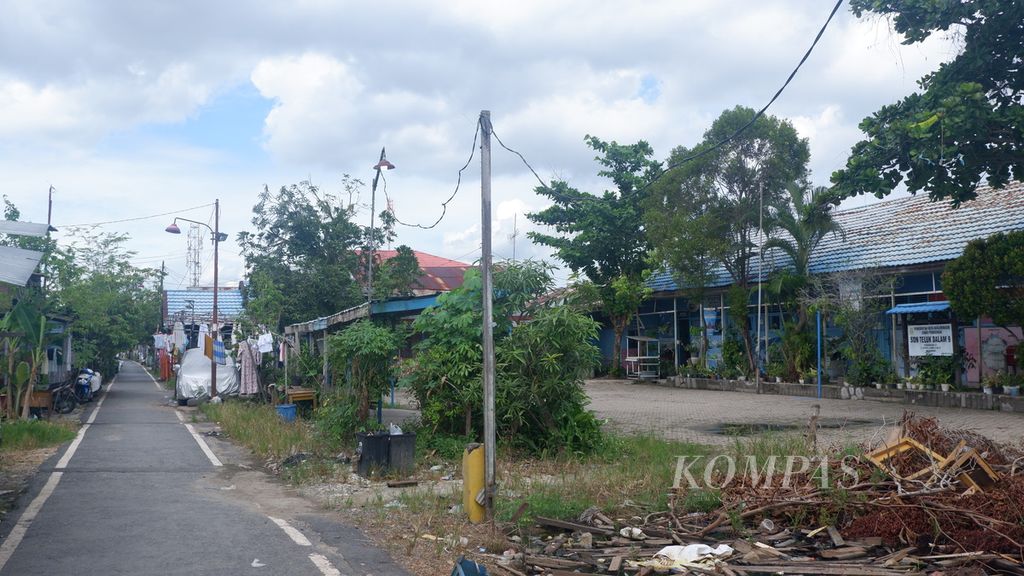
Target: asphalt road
x=138, y=493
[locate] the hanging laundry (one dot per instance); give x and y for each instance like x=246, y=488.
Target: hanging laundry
x=247, y=352
x=178, y=339
x=265, y=342
x=208, y=347
x=219, y=354
x=281, y=351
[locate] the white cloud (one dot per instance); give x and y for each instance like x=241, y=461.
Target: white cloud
x=345, y=81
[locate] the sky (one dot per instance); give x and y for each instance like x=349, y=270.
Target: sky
x=133, y=109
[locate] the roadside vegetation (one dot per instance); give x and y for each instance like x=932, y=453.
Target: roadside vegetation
x=22, y=435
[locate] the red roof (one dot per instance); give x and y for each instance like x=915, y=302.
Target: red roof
x=440, y=274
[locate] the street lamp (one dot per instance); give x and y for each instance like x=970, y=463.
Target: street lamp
x=217, y=239
x=381, y=164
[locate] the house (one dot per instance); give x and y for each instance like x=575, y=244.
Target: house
x=909, y=239
x=440, y=275
x=194, y=306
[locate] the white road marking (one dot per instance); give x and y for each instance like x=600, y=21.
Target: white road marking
x=325, y=566
x=63, y=462
x=18, y=532
x=202, y=444
x=292, y=533
x=155, y=383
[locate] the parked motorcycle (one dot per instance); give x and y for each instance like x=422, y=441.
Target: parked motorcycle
x=83, y=388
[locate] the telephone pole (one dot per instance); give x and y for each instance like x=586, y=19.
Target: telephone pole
x=490, y=442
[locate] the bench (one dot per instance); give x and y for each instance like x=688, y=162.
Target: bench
x=296, y=393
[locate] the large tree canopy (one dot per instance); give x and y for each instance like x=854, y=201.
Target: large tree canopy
x=603, y=237
x=113, y=304
x=706, y=210
x=988, y=279
x=967, y=122
x=306, y=245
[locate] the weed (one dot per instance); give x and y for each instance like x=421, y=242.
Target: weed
x=33, y=434
x=259, y=428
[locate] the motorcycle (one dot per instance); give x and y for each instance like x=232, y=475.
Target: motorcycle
x=84, y=386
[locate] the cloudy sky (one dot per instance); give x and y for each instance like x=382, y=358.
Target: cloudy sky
x=130, y=109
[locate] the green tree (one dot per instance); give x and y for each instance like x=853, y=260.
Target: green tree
x=306, y=245
x=364, y=354
x=540, y=401
x=988, y=279
x=732, y=181
x=447, y=377
x=114, y=305
x=967, y=121
x=399, y=275
x=603, y=237
x=806, y=220
x=686, y=233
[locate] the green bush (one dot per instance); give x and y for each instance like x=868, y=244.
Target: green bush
x=337, y=418
x=364, y=355
x=541, y=366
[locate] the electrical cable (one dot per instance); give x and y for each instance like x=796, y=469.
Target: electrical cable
x=759, y=113
x=94, y=224
x=705, y=151
x=444, y=205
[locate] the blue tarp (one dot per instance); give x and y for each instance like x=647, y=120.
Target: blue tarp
x=918, y=308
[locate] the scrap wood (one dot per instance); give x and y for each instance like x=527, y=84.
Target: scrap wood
x=552, y=562
x=813, y=567
x=572, y=526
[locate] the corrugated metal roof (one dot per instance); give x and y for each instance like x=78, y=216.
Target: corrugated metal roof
x=17, y=264
x=918, y=308
x=899, y=232
x=23, y=228
x=229, y=303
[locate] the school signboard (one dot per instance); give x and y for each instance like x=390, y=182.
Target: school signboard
x=931, y=340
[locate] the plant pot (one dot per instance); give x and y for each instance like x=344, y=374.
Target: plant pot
x=945, y=387
x=1012, y=390
x=986, y=389
x=878, y=385
x=778, y=379
x=803, y=380
x=899, y=385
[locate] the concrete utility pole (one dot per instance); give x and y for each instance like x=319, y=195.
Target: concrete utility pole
x=760, y=266
x=490, y=442
x=216, y=289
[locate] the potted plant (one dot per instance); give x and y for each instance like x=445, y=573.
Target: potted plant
x=989, y=383
x=1011, y=384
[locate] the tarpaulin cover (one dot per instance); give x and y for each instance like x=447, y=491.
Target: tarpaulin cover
x=194, y=376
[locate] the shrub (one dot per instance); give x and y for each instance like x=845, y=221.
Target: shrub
x=541, y=366
x=364, y=354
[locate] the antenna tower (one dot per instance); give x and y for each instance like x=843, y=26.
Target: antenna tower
x=193, y=259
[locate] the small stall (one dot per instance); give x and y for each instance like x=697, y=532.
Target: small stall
x=642, y=357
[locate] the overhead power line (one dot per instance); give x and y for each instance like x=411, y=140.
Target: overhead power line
x=760, y=112
x=444, y=205
x=711, y=148
x=93, y=224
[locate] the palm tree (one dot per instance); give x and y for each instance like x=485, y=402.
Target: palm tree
x=806, y=221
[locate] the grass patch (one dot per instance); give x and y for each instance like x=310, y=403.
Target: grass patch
x=259, y=428
x=34, y=434
x=628, y=474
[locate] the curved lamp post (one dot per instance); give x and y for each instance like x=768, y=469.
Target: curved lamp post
x=381, y=164
x=218, y=237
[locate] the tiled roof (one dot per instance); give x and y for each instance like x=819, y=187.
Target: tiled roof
x=229, y=303
x=900, y=232
x=440, y=274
